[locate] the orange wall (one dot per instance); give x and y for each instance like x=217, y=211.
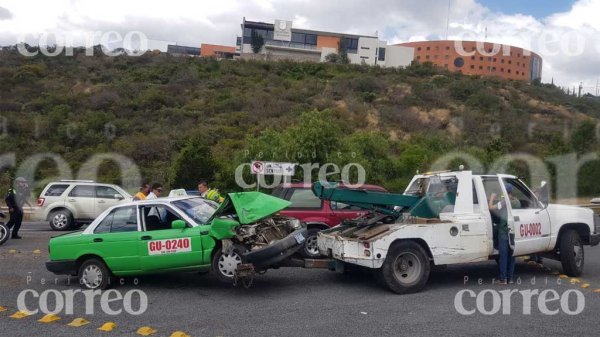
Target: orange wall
x=509, y=62
x=324, y=41
x=211, y=49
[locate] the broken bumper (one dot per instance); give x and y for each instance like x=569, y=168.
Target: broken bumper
x=278, y=251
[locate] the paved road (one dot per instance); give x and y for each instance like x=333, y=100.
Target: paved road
x=297, y=302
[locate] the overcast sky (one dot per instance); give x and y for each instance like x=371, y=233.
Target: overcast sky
x=565, y=32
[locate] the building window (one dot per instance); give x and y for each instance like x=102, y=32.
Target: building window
x=447, y=48
x=501, y=70
x=480, y=67
x=494, y=59
x=502, y=61
x=437, y=48
x=493, y=68
x=419, y=57
x=518, y=55
x=381, y=55
x=311, y=39
x=509, y=71
x=481, y=58
x=428, y=48
x=350, y=44
x=419, y=49
x=509, y=62
x=459, y=62
x=472, y=66
x=427, y=57
x=473, y=57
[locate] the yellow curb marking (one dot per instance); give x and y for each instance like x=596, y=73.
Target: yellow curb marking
x=20, y=314
x=574, y=280
x=555, y=273
x=585, y=285
x=77, y=322
x=37, y=251
x=179, y=334
x=108, y=326
x=13, y=251
x=597, y=291
x=145, y=331
x=49, y=318
x=2, y=309
x=563, y=276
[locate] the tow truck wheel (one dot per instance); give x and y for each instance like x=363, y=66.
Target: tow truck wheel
x=94, y=275
x=406, y=268
x=225, y=264
x=571, y=253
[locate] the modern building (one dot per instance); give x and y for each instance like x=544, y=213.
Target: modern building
x=177, y=50
x=480, y=58
x=217, y=51
x=281, y=41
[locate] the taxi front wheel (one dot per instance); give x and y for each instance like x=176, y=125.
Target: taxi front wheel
x=93, y=274
x=224, y=264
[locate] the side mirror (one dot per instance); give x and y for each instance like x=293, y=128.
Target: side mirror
x=544, y=194
x=178, y=224
x=119, y=197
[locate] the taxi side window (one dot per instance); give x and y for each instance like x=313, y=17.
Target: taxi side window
x=120, y=220
x=159, y=217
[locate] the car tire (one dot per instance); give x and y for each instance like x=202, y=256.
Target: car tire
x=224, y=265
x=571, y=253
x=93, y=274
x=61, y=220
x=405, y=269
x=4, y=233
x=310, y=249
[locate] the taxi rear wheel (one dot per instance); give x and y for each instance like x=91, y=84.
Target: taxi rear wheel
x=224, y=263
x=93, y=274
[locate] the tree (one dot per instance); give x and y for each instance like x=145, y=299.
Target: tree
x=193, y=163
x=343, y=57
x=257, y=42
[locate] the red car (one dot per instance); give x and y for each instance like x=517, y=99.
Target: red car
x=316, y=213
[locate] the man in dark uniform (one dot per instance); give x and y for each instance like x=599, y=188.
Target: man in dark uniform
x=15, y=199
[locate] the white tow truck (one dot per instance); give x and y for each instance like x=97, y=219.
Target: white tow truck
x=443, y=218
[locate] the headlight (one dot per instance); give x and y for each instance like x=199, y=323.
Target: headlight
x=296, y=224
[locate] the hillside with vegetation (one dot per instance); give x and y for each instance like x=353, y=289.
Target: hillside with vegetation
x=182, y=119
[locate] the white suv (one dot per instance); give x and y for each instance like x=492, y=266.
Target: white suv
x=69, y=204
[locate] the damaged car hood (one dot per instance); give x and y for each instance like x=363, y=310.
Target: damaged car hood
x=250, y=206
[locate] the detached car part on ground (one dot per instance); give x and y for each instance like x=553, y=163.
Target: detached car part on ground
x=178, y=235
x=443, y=218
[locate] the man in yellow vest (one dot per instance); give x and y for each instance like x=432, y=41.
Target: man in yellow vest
x=209, y=193
x=144, y=191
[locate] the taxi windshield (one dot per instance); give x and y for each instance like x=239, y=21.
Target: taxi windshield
x=198, y=209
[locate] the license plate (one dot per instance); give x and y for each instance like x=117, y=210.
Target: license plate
x=299, y=238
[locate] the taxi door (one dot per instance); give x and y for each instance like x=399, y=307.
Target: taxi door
x=163, y=248
x=116, y=239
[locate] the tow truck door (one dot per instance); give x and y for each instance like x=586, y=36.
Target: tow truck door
x=529, y=219
x=163, y=248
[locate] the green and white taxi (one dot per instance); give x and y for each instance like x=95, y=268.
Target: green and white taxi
x=177, y=235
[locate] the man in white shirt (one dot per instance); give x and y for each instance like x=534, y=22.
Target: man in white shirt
x=155, y=191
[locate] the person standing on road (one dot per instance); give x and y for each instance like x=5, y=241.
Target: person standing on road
x=15, y=199
x=209, y=193
x=156, y=191
x=142, y=194
x=506, y=261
